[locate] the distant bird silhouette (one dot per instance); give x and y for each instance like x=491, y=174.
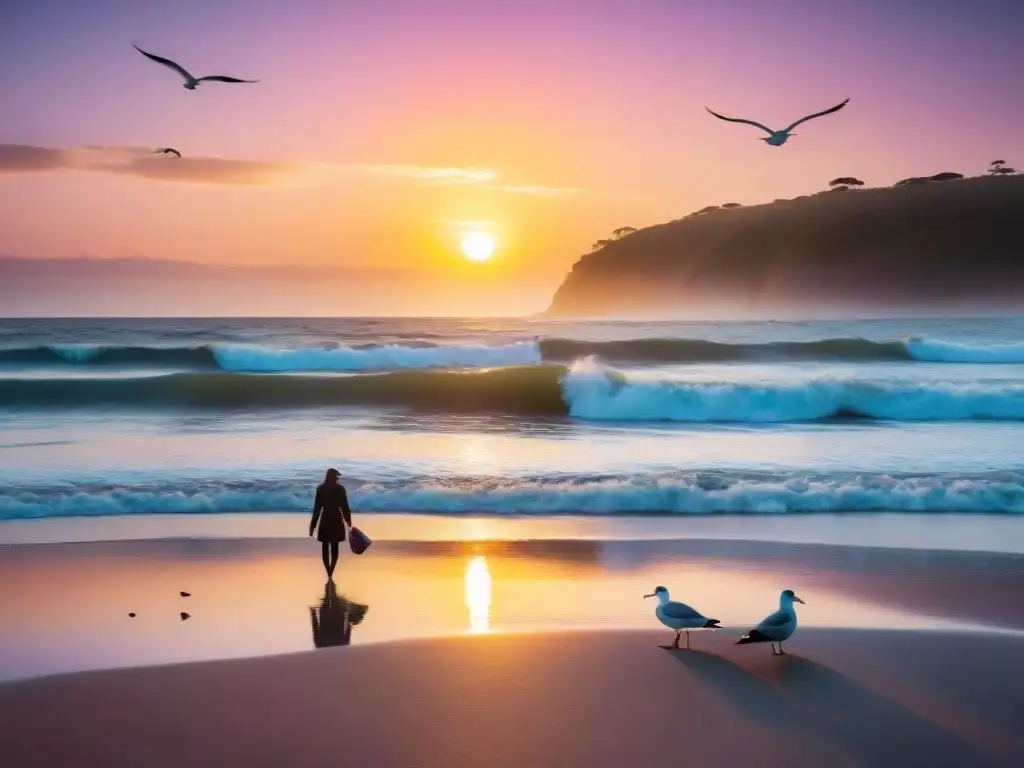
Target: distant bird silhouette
x=778, y=138
x=190, y=81
x=169, y=151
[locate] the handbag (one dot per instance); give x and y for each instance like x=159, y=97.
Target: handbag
x=358, y=540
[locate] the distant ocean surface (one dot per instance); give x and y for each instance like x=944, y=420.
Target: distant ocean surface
x=511, y=417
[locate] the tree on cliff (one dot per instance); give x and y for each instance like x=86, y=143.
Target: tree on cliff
x=1000, y=168
x=623, y=231
x=706, y=209
x=600, y=244
x=846, y=181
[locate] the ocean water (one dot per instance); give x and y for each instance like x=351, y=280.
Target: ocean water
x=511, y=417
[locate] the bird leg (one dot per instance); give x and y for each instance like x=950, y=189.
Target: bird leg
x=687, y=641
x=674, y=644
x=781, y=652
x=774, y=652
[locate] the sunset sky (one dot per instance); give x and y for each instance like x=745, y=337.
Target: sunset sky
x=383, y=131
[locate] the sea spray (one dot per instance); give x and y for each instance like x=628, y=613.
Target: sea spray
x=686, y=493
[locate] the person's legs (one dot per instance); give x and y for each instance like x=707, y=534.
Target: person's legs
x=334, y=558
x=325, y=551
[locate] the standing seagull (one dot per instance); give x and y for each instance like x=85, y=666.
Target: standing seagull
x=778, y=138
x=778, y=627
x=169, y=151
x=190, y=81
x=679, y=616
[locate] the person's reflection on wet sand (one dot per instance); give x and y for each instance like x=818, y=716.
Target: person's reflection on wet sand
x=333, y=621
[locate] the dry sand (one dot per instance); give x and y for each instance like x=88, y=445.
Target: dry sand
x=841, y=698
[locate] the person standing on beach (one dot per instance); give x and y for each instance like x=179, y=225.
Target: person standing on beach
x=331, y=510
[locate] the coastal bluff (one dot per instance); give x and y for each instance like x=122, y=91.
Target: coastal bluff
x=930, y=244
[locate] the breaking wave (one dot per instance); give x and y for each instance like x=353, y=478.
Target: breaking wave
x=379, y=357
x=586, y=390
x=693, y=493
x=259, y=358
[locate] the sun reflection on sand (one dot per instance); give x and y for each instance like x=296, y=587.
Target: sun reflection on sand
x=478, y=595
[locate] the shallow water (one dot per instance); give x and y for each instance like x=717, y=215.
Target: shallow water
x=66, y=606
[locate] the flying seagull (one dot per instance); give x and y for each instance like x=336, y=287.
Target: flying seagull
x=778, y=138
x=679, y=616
x=776, y=628
x=190, y=81
x=168, y=151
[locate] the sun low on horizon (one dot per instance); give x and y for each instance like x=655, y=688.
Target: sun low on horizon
x=478, y=246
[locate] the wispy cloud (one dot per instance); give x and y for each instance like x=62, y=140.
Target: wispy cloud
x=135, y=161
x=485, y=178
x=144, y=163
x=535, y=189
x=432, y=175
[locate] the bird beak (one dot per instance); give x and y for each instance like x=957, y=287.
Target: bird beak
x=650, y=595
x=798, y=600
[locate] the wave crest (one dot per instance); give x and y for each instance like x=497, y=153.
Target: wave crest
x=696, y=493
x=594, y=391
x=377, y=357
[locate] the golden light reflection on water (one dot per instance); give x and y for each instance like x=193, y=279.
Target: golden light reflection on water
x=478, y=595
x=253, y=598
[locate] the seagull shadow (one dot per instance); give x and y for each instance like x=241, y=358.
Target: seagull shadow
x=747, y=692
x=868, y=725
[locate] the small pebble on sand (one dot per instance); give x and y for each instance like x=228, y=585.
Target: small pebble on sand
x=184, y=615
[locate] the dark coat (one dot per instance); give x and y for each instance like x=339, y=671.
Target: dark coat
x=330, y=506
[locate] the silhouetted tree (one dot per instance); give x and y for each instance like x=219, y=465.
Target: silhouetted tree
x=623, y=231
x=999, y=168
x=846, y=181
x=732, y=205
x=600, y=244
x=946, y=176
x=912, y=180
x=706, y=209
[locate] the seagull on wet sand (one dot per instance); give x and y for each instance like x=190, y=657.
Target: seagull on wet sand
x=680, y=617
x=168, y=151
x=190, y=81
x=778, y=627
x=778, y=138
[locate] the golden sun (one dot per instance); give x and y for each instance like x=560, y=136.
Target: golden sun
x=478, y=246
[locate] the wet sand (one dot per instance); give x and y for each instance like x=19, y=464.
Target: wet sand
x=609, y=698
x=65, y=606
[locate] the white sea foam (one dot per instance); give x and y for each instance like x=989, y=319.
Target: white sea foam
x=597, y=392
x=241, y=357
x=635, y=494
x=939, y=351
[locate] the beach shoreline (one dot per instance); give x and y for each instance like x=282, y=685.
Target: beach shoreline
x=251, y=597
x=605, y=698
x=959, y=532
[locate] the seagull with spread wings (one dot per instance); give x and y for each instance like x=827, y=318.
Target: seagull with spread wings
x=778, y=138
x=190, y=81
x=167, y=151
